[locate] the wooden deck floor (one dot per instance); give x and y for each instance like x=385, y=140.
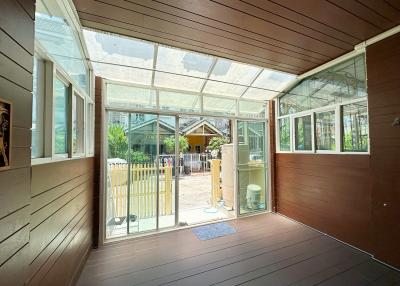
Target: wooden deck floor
x=266, y=250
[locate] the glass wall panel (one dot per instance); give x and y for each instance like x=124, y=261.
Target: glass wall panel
x=60, y=117
x=284, y=134
x=78, y=134
x=219, y=105
x=60, y=40
x=355, y=127
x=325, y=130
x=303, y=133
x=338, y=84
x=252, y=109
x=38, y=108
x=142, y=157
x=251, y=166
x=179, y=101
x=130, y=96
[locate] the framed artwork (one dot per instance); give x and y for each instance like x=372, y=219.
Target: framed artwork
x=5, y=134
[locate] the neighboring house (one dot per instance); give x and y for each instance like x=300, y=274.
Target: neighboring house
x=199, y=132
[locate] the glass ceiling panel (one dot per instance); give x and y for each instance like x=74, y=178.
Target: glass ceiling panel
x=120, y=73
x=273, y=80
x=60, y=41
x=179, y=101
x=233, y=72
x=178, y=82
x=119, y=50
x=226, y=89
x=251, y=109
x=259, y=94
x=183, y=62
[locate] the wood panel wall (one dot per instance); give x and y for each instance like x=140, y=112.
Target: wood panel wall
x=61, y=220
x=16, y=65
x=383, y=66
x=354, y=198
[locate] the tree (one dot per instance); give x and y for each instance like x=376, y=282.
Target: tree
x=117, y=141
x=216, y=143
x=170, y=144
x=137, y=157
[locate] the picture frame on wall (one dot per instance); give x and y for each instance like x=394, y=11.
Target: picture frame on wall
x=5, y=134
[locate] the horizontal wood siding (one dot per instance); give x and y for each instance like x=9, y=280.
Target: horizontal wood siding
x=354, y=198
x=61, y=220
x=16, y=64
x=331, y=193
x=383, y=62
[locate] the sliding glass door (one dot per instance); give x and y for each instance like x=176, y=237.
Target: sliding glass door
x=140, y=173
x=251, y=166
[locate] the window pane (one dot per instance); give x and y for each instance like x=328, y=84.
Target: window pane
x=355, y=127
x=218, y=105
x=273, y=80
x=179, y=101
x=303, y=134
x=325, y=130
x=77, y=124
x=252, y=109
x=38, y=108
x=122, y=73
x=259, y=94
x=60, y=40
x=284, y=134
x=130, y=96
x=60, y=117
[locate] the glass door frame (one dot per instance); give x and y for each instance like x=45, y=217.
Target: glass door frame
x=177, y=115
x=267, y=177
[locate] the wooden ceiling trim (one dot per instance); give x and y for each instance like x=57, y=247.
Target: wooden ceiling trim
x=300, y=19
x=338, y=17
x=275, y=52
x=272, y=18
x=395, y=4
x=139, y=20
x=363, y=12
x=241, y=20
x=278, y=43
x=118, y=27
x=169, y=13
x=383, y=9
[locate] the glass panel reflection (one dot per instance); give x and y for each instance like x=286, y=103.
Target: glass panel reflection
x=303, y=134
x=355, y=127
x=284, y=134
x=325, y=130
x=251, y=166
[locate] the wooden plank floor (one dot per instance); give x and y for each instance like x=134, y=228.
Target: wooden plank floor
x=267, y=249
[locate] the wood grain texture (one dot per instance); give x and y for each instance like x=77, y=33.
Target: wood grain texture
x=383, y=61
x=284, y=253
x=16, y=61
x=354, y=198
x=292, y=36
x=61, y=220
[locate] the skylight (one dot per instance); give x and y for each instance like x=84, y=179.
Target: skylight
x=170, y=69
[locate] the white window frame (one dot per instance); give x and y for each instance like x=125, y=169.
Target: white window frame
x=76, y=94
x=293, y=131
x=278, y=135
x=337, y=107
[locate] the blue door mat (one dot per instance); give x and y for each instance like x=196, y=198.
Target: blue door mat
x=214, y=230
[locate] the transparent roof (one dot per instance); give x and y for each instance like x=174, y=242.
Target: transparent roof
x=170, y=69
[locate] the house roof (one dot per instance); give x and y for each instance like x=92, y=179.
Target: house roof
x=197, y=124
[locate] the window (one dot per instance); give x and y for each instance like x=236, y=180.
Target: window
x=60, y=117
x=325, y=130
x=303, y=133
x=77, y=124
x=326, y=112
x=284, y=134
x=90, y=129
x=355, y=127
x=37, y=108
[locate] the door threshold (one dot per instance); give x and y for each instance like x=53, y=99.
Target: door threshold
x=170, y=229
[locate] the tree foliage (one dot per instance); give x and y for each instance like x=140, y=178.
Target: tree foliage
x=216, y=143
x=117, y=141
x=170, y=144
